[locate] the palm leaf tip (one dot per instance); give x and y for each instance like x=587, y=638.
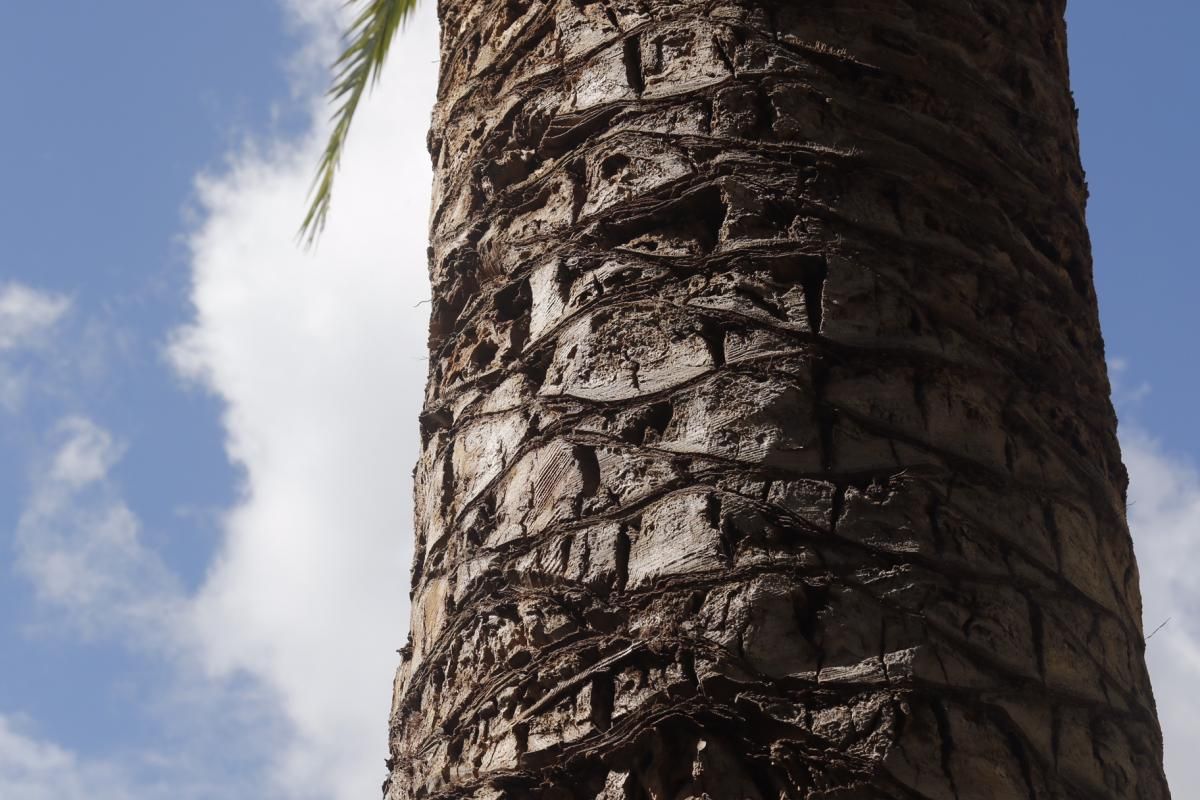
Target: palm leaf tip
x=368, y=40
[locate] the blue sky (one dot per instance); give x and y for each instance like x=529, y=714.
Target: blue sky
x=204, y=504
x=116, y=114
x=1135, y=85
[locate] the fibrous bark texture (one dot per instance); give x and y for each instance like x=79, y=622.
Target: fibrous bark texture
x=767, y=445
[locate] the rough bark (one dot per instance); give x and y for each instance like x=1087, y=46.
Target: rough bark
x=768, y=449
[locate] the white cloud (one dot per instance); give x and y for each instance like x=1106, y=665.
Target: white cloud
x=196, y=768
x=27, y=315
x=34, y=769
x=80, y=545
x=13, y=386
x=86, y=455
x=318, y=358
x=1164, y=514
x=1125, y=396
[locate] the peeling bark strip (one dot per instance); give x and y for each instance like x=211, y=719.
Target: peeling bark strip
x=767, y=445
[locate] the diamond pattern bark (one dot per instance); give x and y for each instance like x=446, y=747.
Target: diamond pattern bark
x=767, y=449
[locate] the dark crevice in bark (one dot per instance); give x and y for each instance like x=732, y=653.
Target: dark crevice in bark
x=621, y=553
x=935, y=524
x=1037, y=631
x=631, y=49
x=432, y=420
x=816, y=273
x=942, y=717
x=1017, y=744
x=1055, y=735
x=483, y=354
x=826, y=414
x=838, y=506
x=816, y=597
x=513, y=302
x=714, y=339
x=602, y=701
x=612, y=17
x=657, y=417
x=1051, y=523
x=723, y=54
x=589, y=469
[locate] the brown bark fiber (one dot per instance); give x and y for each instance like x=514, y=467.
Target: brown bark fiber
x=767, y=449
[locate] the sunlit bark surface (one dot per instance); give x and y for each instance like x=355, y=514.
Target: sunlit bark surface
x=767, y=446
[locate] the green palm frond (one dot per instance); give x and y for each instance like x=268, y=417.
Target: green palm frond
x=367, y=42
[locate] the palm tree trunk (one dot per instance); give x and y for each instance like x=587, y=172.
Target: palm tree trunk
x=768, y=450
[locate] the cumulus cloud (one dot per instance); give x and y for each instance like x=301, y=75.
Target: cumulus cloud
x=319, y=360
x=1164, y=515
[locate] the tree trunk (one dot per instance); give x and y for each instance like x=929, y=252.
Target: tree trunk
x=768, y=450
